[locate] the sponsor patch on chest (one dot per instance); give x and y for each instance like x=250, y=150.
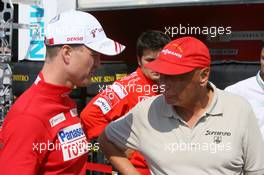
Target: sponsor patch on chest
x=57, y=119
x=119, y=90
x=73, y=141
x=74, y=112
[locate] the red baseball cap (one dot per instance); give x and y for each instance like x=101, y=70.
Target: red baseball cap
x=181, y=56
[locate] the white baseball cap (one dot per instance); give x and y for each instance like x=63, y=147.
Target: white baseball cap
x=76, y=27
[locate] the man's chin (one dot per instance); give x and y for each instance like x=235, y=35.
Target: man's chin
x=85, y=83
x=170, y=100
x=155, y=77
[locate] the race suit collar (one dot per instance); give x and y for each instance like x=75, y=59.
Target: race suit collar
x=51, y=88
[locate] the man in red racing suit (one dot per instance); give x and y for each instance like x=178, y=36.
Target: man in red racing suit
x=42, y=133
x=116, y=100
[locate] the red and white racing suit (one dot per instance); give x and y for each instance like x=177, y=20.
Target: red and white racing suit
x=42, y=134
x=115, y=101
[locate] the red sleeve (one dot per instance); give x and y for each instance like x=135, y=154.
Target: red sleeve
x=101, y=110
x=20, y=148
x=93, y=120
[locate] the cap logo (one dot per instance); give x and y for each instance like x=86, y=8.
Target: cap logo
x=178, y=47
x=75, y=38
x=94, y=31
x=167, y=51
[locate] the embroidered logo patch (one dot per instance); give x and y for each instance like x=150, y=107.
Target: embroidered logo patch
x=57, y=119
x=73, y=142
x=103, y=105
x=74, y=112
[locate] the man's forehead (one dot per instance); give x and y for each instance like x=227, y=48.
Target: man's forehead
x=184, y=75
x=149, y=53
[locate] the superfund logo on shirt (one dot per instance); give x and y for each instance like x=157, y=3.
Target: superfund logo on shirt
x=73, y=141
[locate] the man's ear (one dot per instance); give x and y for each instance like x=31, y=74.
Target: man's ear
x=66, y=52
x=204, y=76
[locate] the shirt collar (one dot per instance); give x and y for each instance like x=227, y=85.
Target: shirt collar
x=260, y=80
x=215, y=109
x=52, y=89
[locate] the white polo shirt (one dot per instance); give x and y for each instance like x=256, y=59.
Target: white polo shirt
x=225, y=141
x=252, y=89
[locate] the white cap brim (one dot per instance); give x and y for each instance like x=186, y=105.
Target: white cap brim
x=106, y=46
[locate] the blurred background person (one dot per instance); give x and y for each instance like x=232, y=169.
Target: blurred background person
x=252, y=89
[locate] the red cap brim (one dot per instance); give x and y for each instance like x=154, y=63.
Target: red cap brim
x=168, y=68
